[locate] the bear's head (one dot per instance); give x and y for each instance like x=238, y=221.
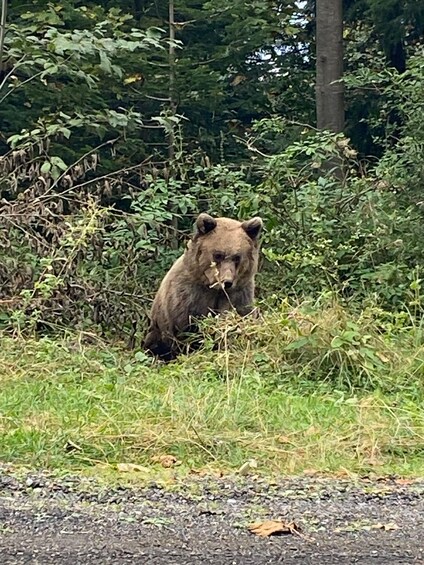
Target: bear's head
x=224, y=252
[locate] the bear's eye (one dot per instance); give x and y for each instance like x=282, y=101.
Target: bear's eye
x=218, y=257
x=237, y=259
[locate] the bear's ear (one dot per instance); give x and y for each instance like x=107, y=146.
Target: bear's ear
x=205, y=224
x=253, y=227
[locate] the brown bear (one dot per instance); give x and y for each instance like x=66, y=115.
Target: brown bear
x=216, y=273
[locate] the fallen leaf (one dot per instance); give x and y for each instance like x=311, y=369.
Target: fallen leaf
x=310, y=472
x=273, y=527
x=166, y=461
x=284, y=439
x=206, y=473
x=342, y=473
x=131, y=468
x=404, y=481
x=199, y=472
x=248, y=466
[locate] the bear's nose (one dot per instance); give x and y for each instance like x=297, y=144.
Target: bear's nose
x=228, y=284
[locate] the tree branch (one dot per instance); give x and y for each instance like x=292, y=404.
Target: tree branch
x=2, y=30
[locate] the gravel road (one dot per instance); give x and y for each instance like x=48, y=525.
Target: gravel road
x=45, y=520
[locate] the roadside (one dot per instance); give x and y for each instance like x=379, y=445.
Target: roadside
x=48, y=520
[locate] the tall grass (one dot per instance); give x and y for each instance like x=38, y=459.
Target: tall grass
x=312, y=387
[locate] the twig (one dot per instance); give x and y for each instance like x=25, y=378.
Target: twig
x=2, y=30
x=201, y=445
x=10, y=73
x=56, y=182
x=20, y=84
x=92, y=181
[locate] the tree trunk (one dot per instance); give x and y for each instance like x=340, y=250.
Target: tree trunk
x=2, y=31
x=172, y=101
x=329, y=65
x=173, y=109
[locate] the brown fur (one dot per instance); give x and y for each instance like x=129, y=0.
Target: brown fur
x=215, y=274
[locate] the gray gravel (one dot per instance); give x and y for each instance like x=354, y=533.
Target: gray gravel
x=45, y=520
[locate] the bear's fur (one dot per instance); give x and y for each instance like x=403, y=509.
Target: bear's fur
x=215, y=273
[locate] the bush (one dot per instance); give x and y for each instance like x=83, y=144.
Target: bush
x=315, y=343
x=91, y=254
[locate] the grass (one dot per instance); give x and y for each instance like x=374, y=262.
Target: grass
x=332, y=402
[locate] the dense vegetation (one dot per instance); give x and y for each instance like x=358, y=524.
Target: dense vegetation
x=117, y=127
x=112, y=141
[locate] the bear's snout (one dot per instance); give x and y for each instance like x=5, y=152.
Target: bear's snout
x=227, y=274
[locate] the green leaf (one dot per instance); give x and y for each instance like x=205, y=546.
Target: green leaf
x=105, y=63
x=298, y=344
x=337, y=342
x=57, y=162
x=55, y=173
x=45, y=168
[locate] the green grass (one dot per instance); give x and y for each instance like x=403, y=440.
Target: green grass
x=69, y=406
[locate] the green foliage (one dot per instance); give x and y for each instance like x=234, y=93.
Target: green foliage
x=359, y=235
x=68, y=84
x=94, y=202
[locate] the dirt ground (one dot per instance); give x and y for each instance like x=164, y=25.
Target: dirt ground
x=75, y=521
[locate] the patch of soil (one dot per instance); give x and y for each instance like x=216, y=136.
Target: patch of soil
x=73, y=520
